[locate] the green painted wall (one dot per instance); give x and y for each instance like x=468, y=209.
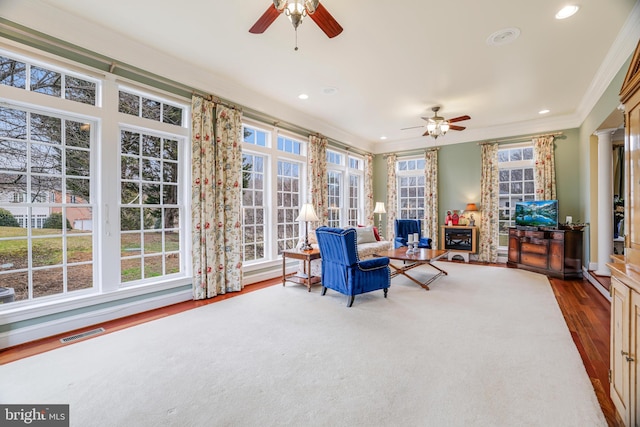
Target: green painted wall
x=459, y=175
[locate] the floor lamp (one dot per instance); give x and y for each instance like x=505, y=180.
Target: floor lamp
x=379, y=210
x=307, y=214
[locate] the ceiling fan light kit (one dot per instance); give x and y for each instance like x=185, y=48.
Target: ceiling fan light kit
x=296, y=11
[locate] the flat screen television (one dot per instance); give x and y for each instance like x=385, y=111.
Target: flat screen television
x=537, y=213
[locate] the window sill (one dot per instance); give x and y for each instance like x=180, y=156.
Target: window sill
x=22, y=312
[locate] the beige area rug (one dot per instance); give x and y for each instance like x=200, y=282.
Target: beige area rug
x=487, y=346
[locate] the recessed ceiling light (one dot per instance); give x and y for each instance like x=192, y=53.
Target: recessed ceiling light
x=504, y=36
x=567, y=11
x=303, y=96
x=383, y=137
x=545, y=111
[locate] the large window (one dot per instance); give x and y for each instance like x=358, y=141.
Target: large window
x=515, y=164
x=75, y=199
x=44, y=155
x=253, y=208
x=270, y=211
x=411, y=182
x=149, y=206
x=345, y=177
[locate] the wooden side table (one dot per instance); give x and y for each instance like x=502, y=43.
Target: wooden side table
x=305, y=279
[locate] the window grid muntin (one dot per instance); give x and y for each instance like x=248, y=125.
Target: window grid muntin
x=516, y=184
x=148, y=104
x=30, y=207
x=256, y=136
x=354, y=201
x=410, y=178
x=289, y=145
x=253, y=206
x=64, y=76
x=288, y=196
x=334, y=179
x=149, y=226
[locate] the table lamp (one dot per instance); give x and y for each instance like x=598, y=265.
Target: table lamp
x=471, y=207
x=379, y=210
x=307, y=214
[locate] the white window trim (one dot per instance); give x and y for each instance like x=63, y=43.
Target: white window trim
x=272, y=154
x=105, y=121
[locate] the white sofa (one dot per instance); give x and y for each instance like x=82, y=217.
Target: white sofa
x=367, y=247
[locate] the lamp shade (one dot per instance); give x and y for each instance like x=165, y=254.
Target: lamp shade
x=307, y=213
x=471, y=207
x=379, y=208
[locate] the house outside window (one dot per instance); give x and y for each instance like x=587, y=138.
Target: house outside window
x=49, y=181
x=515, y=165
x=411, y=183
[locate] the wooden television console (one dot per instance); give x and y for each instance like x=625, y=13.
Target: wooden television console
x=552, y=252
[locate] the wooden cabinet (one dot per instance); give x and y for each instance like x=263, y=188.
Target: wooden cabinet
x=625, y=280
x=625, y=327
x=552, y=252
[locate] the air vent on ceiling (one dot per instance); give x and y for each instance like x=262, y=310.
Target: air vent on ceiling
x=503, y=36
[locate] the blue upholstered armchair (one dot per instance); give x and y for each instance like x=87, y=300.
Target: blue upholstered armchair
x=343, y=271
x=406, y=226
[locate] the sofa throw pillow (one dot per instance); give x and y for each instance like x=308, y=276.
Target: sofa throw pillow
x=375, y=232
x=365, y=235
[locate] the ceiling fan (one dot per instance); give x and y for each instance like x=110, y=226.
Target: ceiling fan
x=296, y=10
x=438, y=125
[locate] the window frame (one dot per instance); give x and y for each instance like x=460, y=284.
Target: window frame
x=272, y=156
x=104, y=120
x=343, y=172
x=416, y=172
x=523, y=164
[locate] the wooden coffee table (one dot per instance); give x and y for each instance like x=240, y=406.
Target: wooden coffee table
x=413, y=260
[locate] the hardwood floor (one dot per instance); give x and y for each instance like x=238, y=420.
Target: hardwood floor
x=585, y=310
x=588, y=317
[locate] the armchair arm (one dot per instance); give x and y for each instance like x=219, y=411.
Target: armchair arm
x=425, y=242
x=373, y=263
x=399, y=241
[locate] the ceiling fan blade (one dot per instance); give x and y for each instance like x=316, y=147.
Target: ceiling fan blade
x=265, y=20
x=459, y=119
x=454, y=127
x=325, y=21
x=412, y=127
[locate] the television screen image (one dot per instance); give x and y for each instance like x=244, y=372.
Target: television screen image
x=537, y=213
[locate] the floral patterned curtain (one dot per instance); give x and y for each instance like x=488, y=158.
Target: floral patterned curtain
x=489, y=201
x=544, y=168
x=392, y=198
x=318, y=183
x=431, y=196
x=216, y=199
x=368, y=189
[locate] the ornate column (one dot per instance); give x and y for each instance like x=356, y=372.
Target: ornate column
x=605, y=201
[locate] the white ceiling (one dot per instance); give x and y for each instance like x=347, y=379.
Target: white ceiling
x=393, y=62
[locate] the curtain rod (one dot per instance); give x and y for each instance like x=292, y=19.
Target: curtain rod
x=412, y=153
x=520, y=139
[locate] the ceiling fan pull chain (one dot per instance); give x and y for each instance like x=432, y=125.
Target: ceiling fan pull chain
x=296, y=48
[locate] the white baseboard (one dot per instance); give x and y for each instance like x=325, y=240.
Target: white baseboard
x=59, y=326
x=596, y=284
